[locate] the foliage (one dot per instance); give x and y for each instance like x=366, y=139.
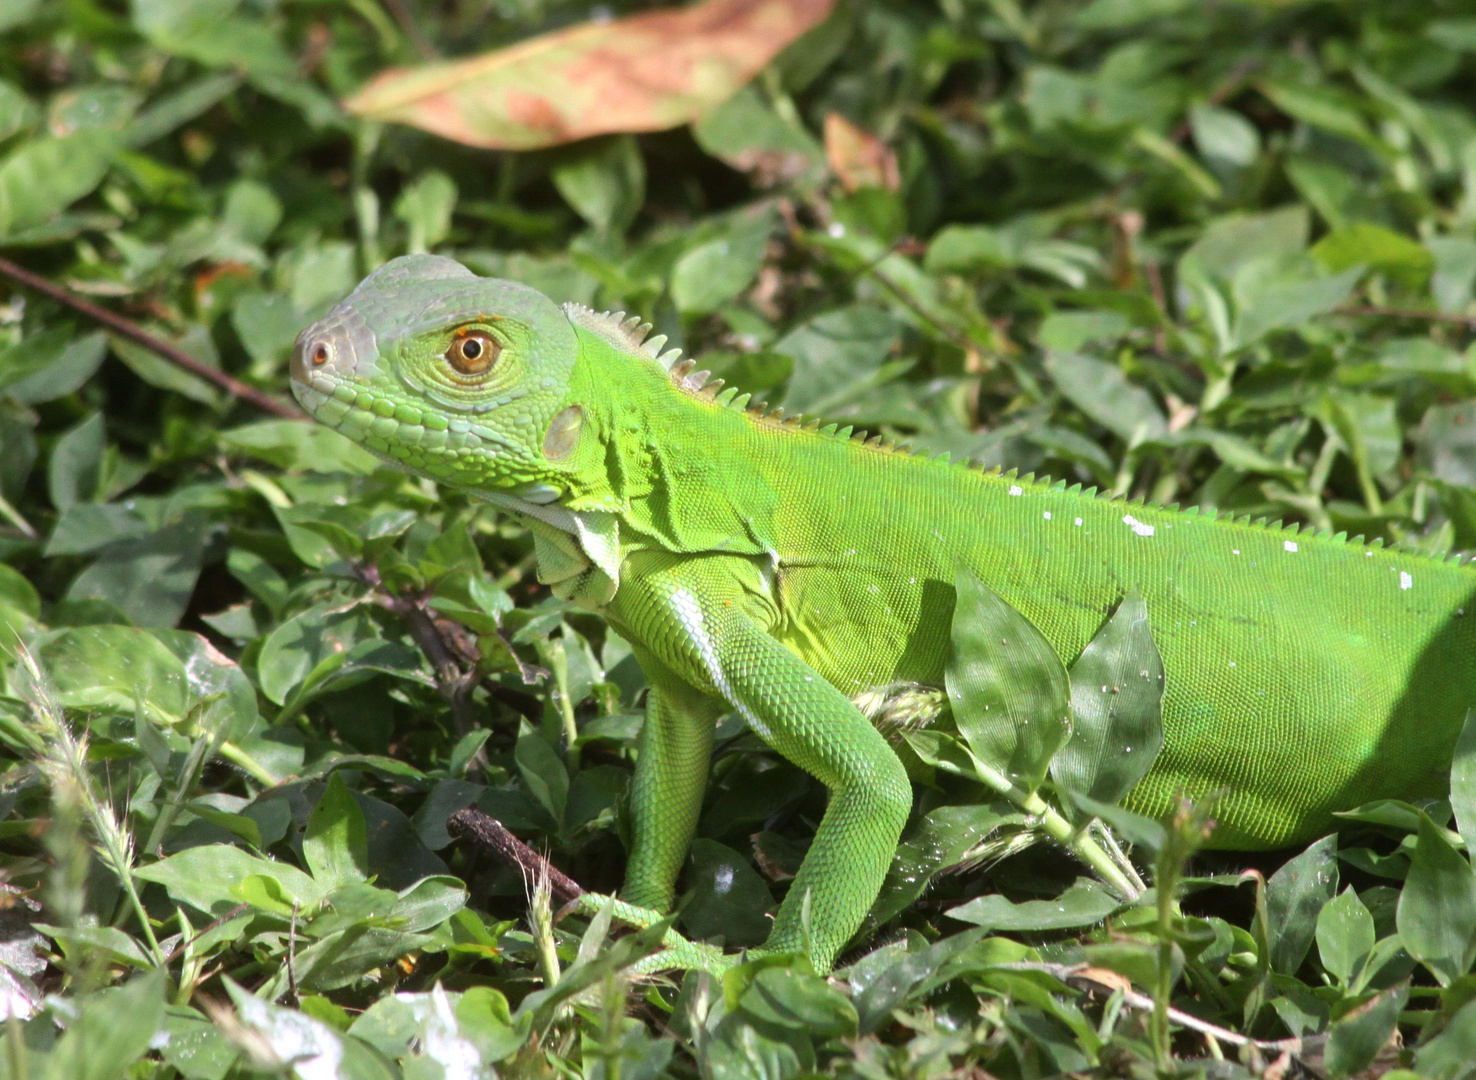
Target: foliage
x=1219, y=254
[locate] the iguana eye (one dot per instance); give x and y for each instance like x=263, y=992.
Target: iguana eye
x=473, y=352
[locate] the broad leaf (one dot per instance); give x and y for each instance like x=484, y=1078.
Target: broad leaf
x=1009, y=692
x=1116, y=707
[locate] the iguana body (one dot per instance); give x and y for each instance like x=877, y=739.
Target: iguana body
x=778, y=570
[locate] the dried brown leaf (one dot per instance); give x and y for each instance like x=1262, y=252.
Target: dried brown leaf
x=857, y=157
x=643, y=73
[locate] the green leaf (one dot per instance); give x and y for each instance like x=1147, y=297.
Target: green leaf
x=267, y=324
x=1295, y=895
x=1009, y=692
x=196, y=1047
x=75, y=468
x=1463, y=781
x=334, y=844
x=429, y=902
x=117, y=669
x=1448, y=1056
x=209, y=878
x=149, y=579
x=1271, y=297
x=172, y=111
x=1437, y=909
x=156, y=371
x=939, y=841
x=425, y=206
x=961, y=249
x=804, y=1002
x=1345, y=935
x=1083, y=904
x=43, y=176
x=1454, y=282
x=314, y=1048
x=726, y=900
x=112, y=1031
x=304, y=642
x=1104, y=393
x=50, y=365
x=1229, y=242
x=749, y=135
x=82, y=528
x=83, y=944
x=835, y=354
x=543, y=773
x=1355, y=1039
x=442, y=1023
x=1363, y=244
x=18, y=13
x=1319, y=107
x=714, y=272
x=604, y=180
x=1068, y=331
x=1224, y=135
x=1116, y=708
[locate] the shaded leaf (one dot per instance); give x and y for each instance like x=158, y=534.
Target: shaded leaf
x=1437, y=909
x=726, y=900
x=1355, y=1039
x=1345, y=935
x=334, y=845
x=1295, y=895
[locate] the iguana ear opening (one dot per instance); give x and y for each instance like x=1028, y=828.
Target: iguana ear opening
x=563, y=433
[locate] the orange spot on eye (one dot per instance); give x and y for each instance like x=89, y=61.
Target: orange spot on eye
x=320, y=354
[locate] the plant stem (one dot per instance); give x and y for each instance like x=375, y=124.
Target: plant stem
x=1054, y=825
x=248, y=764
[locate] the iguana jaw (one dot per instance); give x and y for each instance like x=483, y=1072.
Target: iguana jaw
x=336, y=392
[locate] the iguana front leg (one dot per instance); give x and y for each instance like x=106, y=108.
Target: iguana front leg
x=670, y=778
x=705, y=621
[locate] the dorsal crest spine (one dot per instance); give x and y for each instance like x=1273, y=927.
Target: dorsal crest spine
x=627, y=333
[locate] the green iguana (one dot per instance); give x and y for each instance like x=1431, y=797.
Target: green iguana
x=780, y=569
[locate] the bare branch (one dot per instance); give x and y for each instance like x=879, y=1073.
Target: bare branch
x=133, y=332
x=489, y=833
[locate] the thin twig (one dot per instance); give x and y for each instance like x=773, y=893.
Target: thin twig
x=492, y=835
x=133, y=332
x=454, y=684
x=453, y=664
x=1468, y=321
x=411, y=29
x=216, y=924
x=1095, y=979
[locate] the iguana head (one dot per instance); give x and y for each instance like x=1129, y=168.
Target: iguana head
x=455, y=376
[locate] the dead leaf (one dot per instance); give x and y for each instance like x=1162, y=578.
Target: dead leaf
x=858, y=157
x=643, y=73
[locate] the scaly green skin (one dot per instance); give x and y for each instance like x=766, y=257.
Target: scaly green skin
x=780, y=570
